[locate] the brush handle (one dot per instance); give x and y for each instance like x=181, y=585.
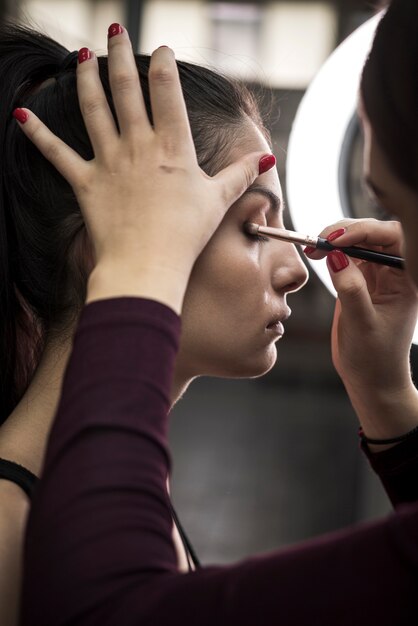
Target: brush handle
x=363, y=253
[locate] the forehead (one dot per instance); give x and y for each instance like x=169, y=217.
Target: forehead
x=248, y=139
x=251, y=139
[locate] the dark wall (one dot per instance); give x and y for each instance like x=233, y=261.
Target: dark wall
x=2, y=9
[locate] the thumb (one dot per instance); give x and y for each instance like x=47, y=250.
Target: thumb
x=351, y=287
x=235, y=179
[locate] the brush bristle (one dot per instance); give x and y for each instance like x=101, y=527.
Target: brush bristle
x=252, y=229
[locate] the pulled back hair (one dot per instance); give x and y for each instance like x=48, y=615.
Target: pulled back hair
x=389, y=89
x=45, y=256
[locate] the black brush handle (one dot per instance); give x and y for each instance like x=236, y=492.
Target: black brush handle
x=363, y=253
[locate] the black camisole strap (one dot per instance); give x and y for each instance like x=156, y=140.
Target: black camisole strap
x=9, y=470
x=186, y=541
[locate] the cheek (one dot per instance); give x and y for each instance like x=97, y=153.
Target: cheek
x=224, y=315
x=411, y=257
x=226, y=278
x=408, y=216
x=232, y=267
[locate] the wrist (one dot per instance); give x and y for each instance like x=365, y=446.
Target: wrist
x=163, y=284
x=388, y=442
x=387, y=415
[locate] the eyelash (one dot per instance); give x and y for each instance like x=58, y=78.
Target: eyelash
x=260, y=238
x=381, y=213
x=384, y=215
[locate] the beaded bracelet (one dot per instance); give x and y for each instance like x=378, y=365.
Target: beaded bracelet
x=382, y=442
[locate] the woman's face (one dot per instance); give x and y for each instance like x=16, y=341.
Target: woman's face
x=235, y=304
x=394, y=196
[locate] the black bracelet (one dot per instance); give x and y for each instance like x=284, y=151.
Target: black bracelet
x=382, y=442
x=9, y=470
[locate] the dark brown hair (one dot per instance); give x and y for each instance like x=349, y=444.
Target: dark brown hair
x=44, y=251
x=389, y=89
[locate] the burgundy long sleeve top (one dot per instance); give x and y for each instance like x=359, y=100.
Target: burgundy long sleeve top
x=99, y=548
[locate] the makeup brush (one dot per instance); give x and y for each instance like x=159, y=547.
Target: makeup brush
x=322, y=244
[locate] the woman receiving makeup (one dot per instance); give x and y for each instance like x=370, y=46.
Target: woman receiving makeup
x=100, y=546
x=240, y=284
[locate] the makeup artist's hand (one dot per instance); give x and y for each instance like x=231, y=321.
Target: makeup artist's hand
x=374, y=321
x=148, y=207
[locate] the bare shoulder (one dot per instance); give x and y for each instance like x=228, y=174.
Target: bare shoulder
x=14, y=508
x=12, y=499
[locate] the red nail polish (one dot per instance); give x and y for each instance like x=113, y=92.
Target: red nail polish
x=20, y=115
x=114, y=29
x=336, y=234
x=309, y=250
x=84, y=54
x=266, y=163
x=337, y=260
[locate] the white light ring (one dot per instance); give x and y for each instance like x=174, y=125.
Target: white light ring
x=317, y=137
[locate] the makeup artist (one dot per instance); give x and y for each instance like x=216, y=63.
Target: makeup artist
x=99, y=547
x=370, y=349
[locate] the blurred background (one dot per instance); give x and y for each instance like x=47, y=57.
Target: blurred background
x=264, y=463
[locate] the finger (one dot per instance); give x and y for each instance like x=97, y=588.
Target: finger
x=351, y=288
x=366, y=233
x=235, y=179
x=329, y=233
x=63, y=158
x=169, y=111
x=125, y=85
x=94, y=107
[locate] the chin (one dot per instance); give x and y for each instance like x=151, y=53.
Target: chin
x=260, y=369
x=245, y=366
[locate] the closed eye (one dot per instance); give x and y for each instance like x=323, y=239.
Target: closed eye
x=379, y=211
x=256, y=237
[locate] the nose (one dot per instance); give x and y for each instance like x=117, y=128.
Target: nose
x=289, y=273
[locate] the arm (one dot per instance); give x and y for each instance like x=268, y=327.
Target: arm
x=397, y=468
x=99, y=546
x=374, y=320
x=13, y=514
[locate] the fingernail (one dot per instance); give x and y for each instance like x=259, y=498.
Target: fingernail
x=162, y=47
x=114, y=29
x=20, y=115
x=336, y=234
x=84, y=54
x=266, y=163
x=337, y=260
x=309, y=250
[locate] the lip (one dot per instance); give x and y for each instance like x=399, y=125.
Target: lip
x=275, y=324
x=275, y=328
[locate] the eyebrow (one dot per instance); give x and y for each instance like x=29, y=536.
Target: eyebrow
x=275, y=201
x=376, y=190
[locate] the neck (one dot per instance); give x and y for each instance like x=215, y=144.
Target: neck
x=24, y=435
